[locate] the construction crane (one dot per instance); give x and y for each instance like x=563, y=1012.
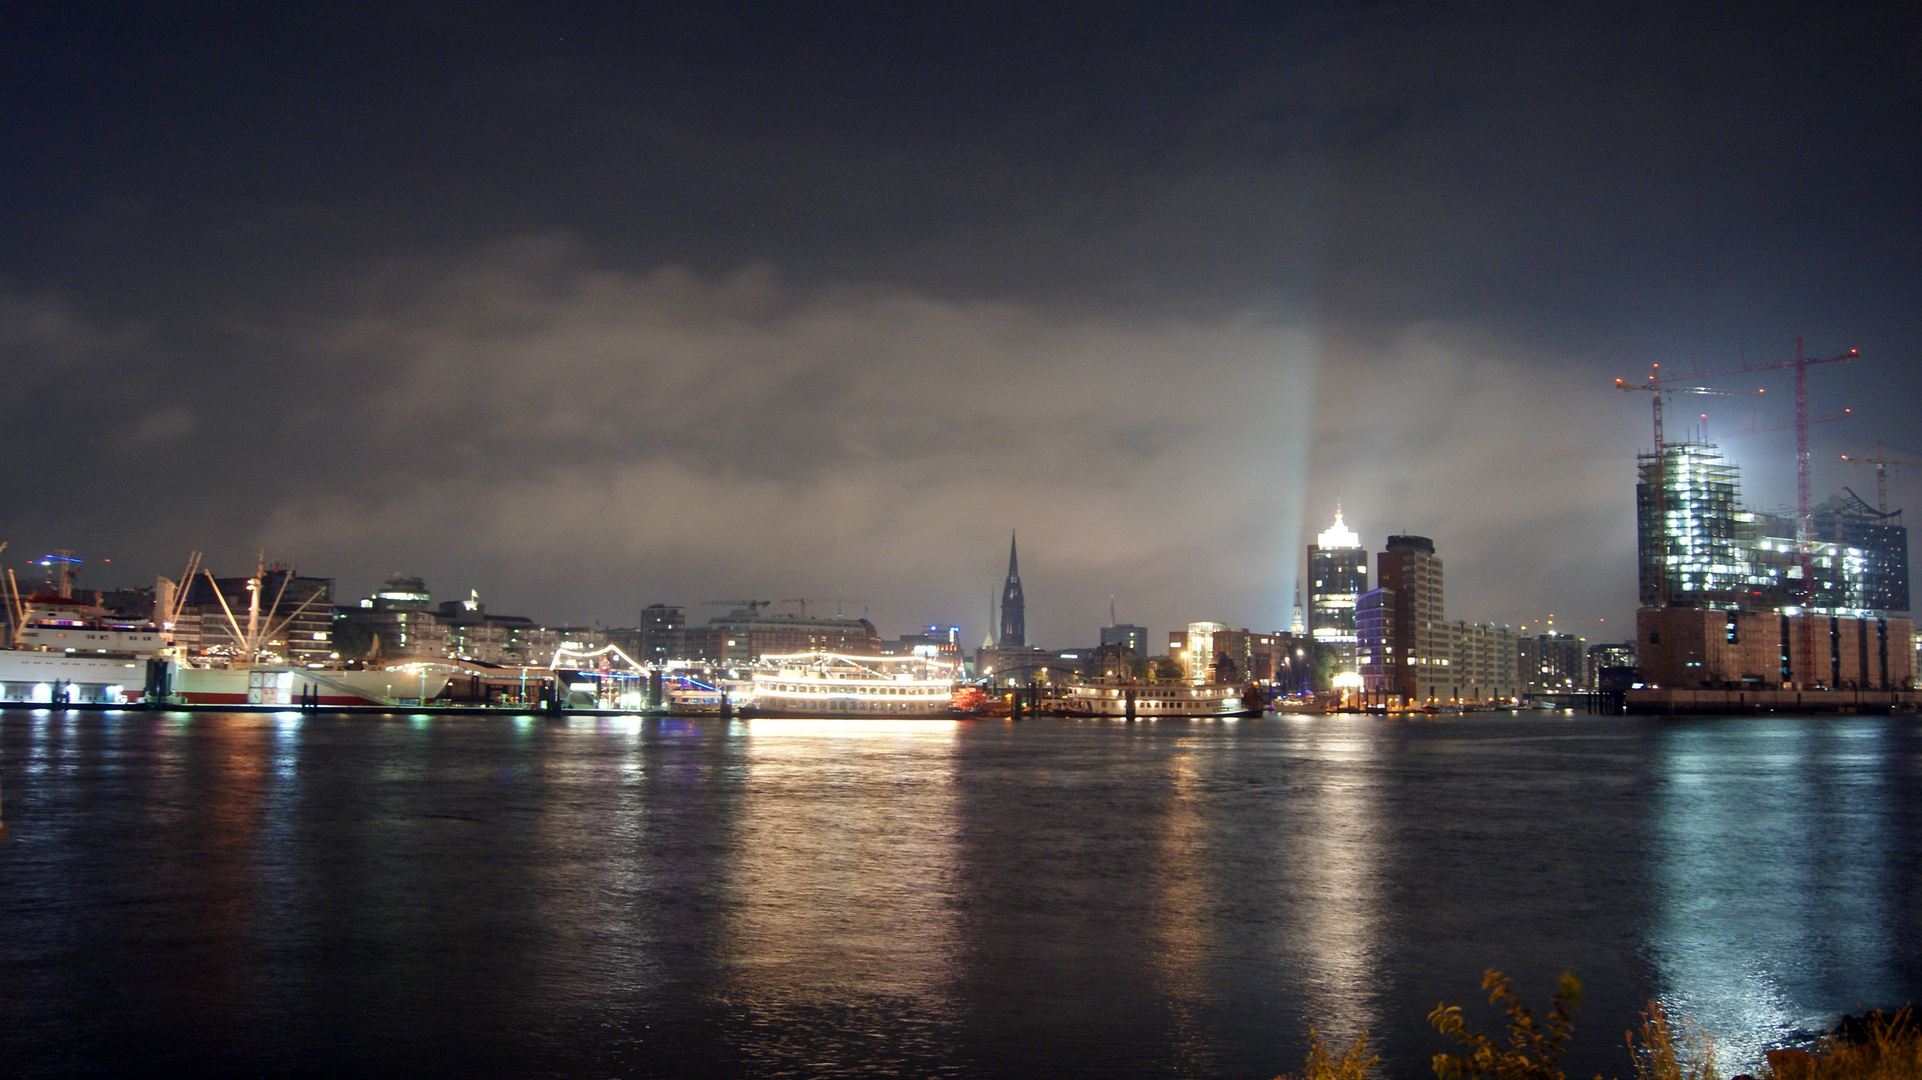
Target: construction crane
x=1882, y=465
x=753, y=606
x=804, y=601
x=1800, y=365
x=1658, y=387
x=1755, y=428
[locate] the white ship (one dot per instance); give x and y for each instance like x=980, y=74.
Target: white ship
x=832, y=684
x=1150, y=701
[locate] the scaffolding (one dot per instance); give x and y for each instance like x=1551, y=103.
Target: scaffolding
x=1686, y=528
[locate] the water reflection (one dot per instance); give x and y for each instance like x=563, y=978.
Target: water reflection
x=1771, y=849
x=1338, y=924
x=1180, y=910
x=842, y=877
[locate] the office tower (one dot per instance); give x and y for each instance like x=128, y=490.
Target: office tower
x=1421, y=643
x=1337, y=575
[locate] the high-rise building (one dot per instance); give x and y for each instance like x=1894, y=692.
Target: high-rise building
x=1337, y=575
x=1375, y=649
x=1014, y=623
x=1421, y=640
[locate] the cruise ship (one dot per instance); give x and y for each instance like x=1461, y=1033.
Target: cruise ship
x=834, y=684
x=1150, y=701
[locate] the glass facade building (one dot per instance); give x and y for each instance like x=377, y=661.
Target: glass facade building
x=1717, y=555
x=1337, y=575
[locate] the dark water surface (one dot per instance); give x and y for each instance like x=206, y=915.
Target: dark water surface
x=325, y=895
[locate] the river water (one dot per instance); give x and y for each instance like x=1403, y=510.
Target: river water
x=330, y=895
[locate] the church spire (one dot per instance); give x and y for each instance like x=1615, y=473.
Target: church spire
x=1014, y=624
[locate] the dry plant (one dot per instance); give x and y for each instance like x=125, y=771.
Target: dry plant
x=1533, y=1049
x=1878, y=1047
x=1353, y=1064
x=1664, y=1049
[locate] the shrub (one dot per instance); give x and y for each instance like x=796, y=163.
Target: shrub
x=1353, y=1064
x=1667, y=1050
x=1533, y=1048
x=1876, y=1047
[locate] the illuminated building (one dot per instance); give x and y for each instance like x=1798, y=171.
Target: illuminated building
x=1483, y=664
x=1686, y=525
x=1554, y=663
x=1243, y=655
x=1014, y=624
x=1375, y=651
x=1865, y=554
x=1338, y=574
x=1612, y=665
x=937, y=642
x=1831, y=629
x=1194, y=650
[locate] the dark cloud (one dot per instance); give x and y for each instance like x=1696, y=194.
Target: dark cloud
x=591, y=305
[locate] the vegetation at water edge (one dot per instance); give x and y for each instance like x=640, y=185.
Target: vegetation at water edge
x=1876, y=1046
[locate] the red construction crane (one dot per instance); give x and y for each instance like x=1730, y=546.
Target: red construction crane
x=1801, y=365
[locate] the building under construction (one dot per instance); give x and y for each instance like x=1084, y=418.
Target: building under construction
x=1732, y=598
x=1687, y=533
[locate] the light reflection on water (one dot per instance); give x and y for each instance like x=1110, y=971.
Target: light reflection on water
x=1773, y=844
x=842, y=885
x=1340, y=928
x=307, y=893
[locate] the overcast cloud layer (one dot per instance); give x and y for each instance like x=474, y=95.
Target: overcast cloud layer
x=587, y=307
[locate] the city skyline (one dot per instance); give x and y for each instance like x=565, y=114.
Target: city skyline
x=589, y=308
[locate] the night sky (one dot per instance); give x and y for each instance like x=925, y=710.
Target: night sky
x=590, y=307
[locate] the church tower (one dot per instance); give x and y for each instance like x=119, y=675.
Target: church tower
x=1014, y=624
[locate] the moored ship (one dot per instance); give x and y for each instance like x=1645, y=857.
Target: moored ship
x=1148, y=701
x=833, y=684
